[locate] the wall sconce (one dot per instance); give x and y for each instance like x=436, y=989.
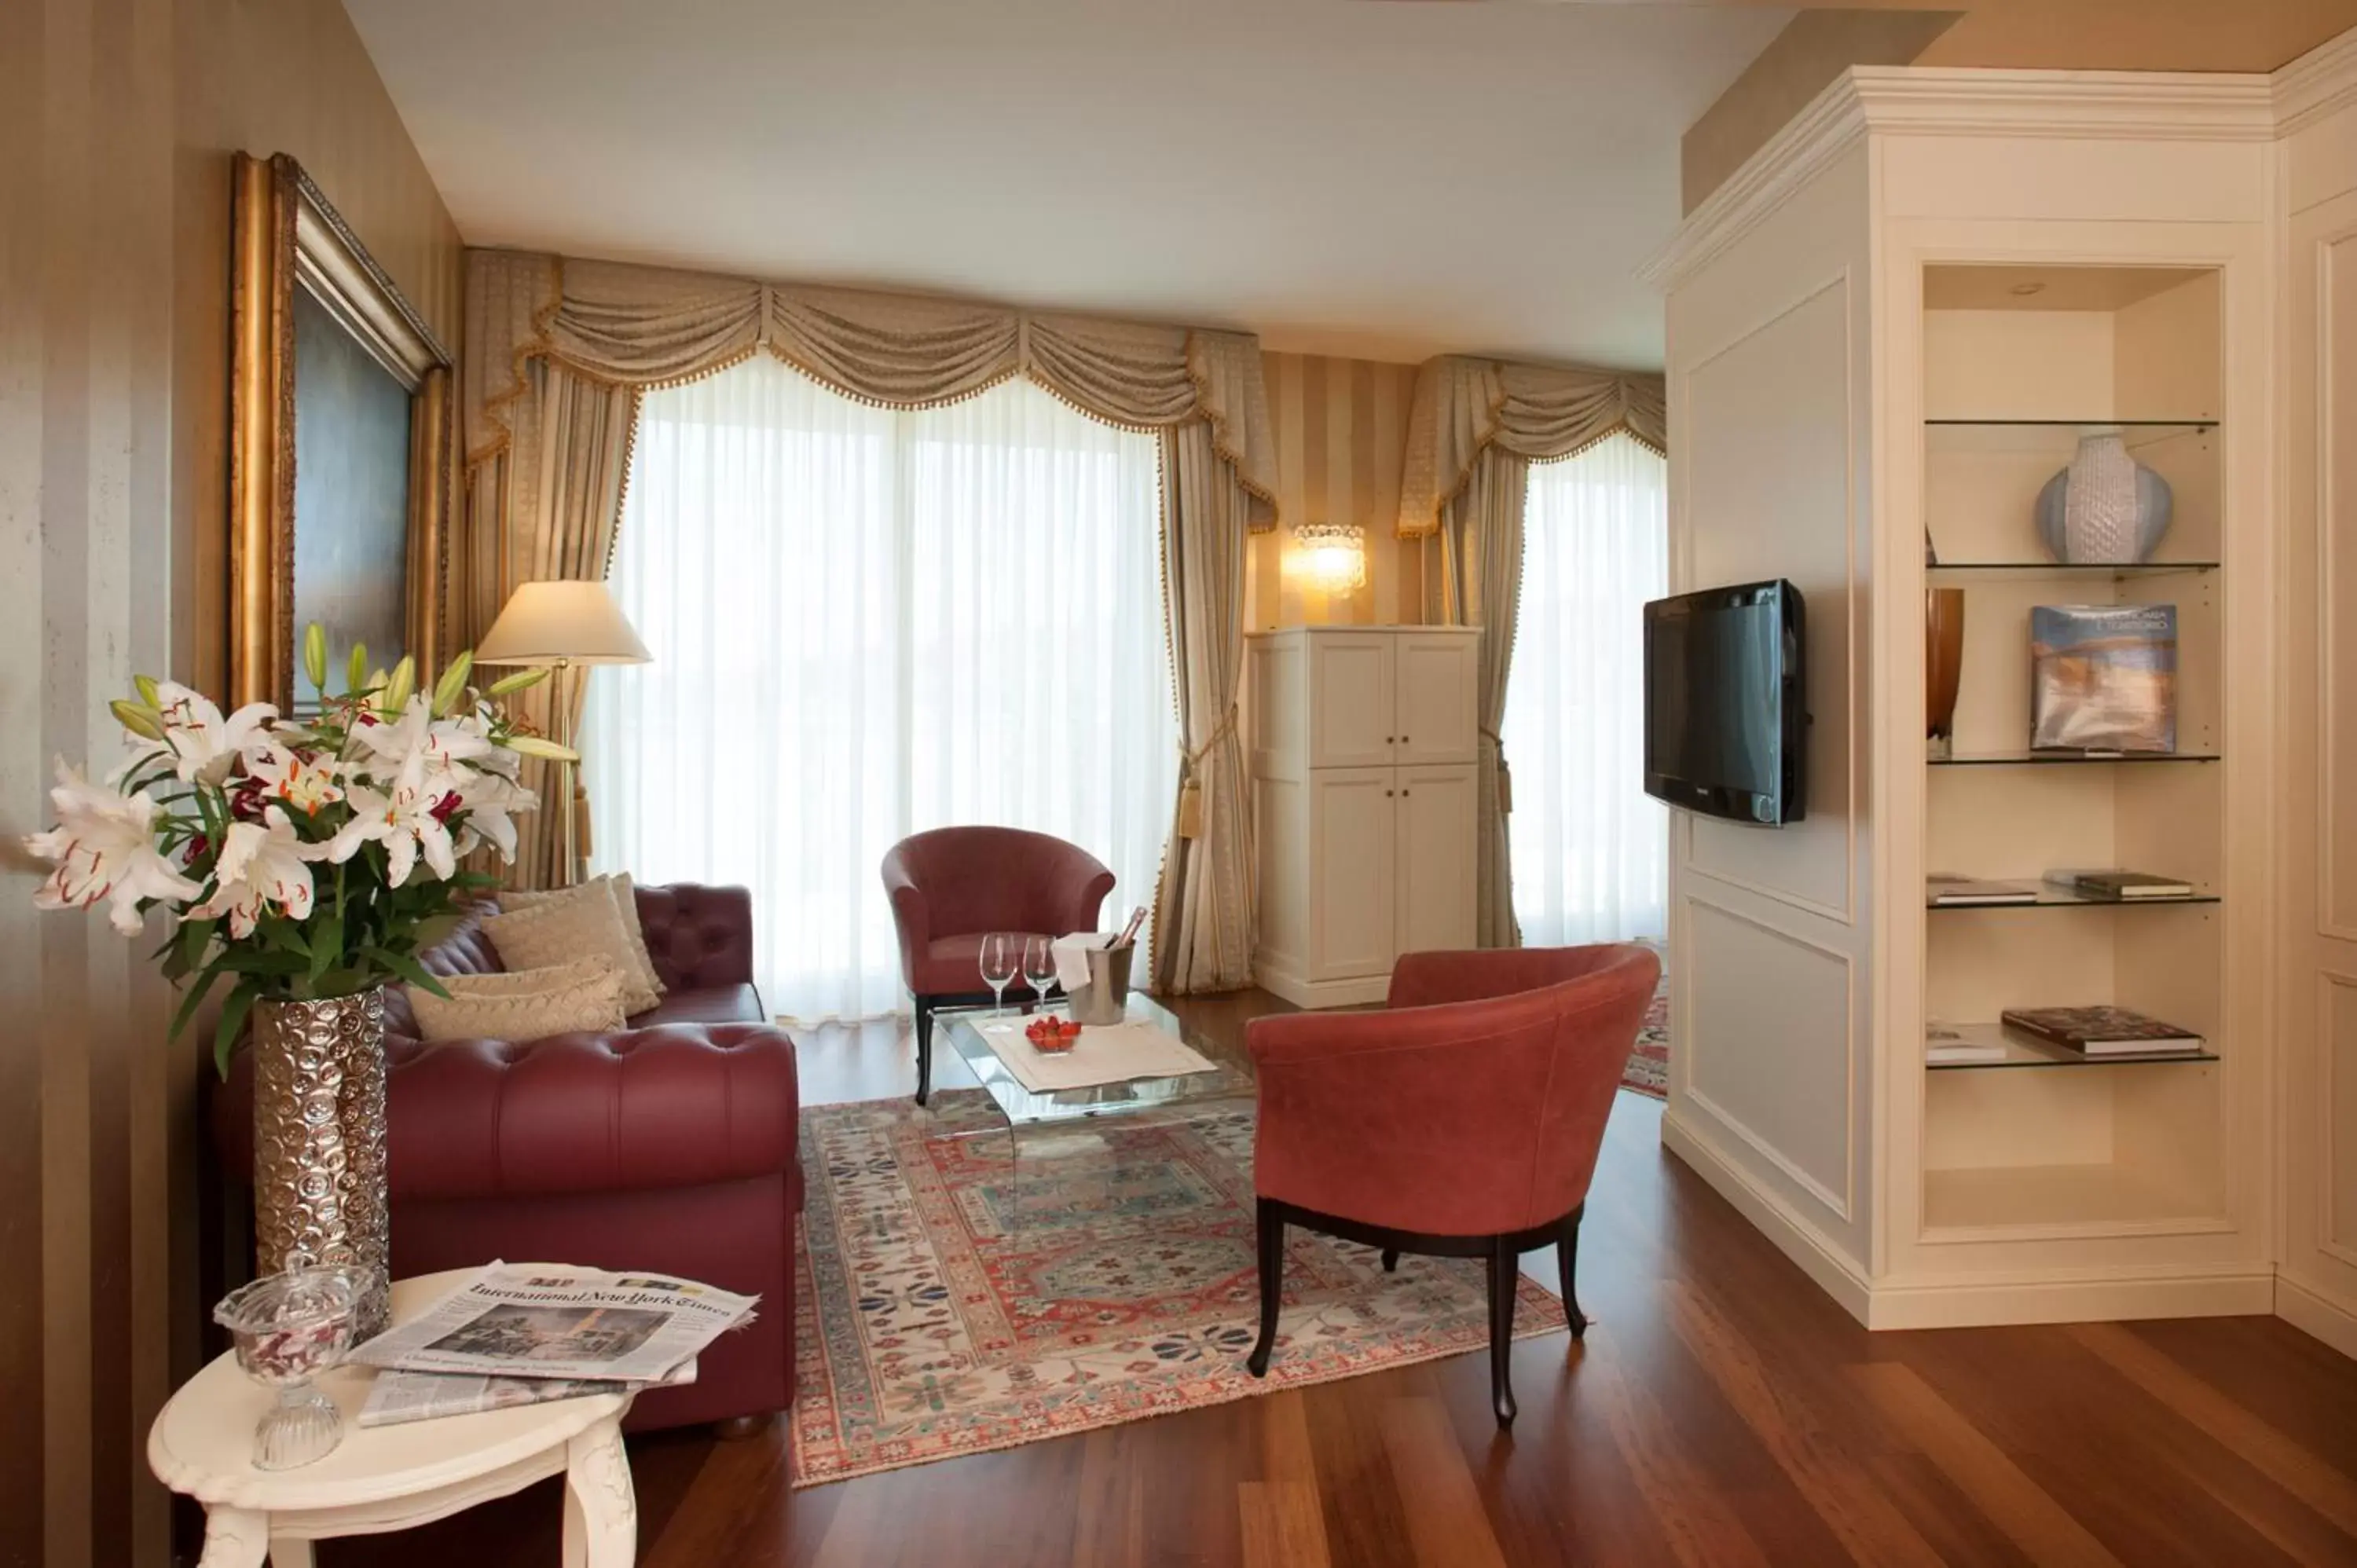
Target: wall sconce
x=1334, y=554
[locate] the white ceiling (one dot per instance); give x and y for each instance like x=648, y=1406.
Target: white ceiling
x=1385, y=181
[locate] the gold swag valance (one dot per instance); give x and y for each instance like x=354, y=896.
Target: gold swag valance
x=1539, y=412
x=645, y=327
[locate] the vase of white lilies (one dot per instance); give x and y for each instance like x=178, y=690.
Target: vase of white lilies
x=305, y=862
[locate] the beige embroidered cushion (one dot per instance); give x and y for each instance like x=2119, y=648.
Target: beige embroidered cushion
x=639, y=972
x=562, y=930
x=584, y=997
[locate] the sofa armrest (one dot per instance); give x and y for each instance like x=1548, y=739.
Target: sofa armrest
x=675, y=1105
x=699, y=937
x=1429, y=978
x=1080, y=900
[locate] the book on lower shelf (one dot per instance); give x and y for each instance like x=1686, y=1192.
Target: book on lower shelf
x=2123, y=884
x=2103, y=1031
x=1943, y=888
x=1945, y=1044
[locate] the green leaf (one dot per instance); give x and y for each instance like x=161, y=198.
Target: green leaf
x=409, y=969
x=195, y=936
x=192, y=1000
x=233, y=1019
x=326, y=942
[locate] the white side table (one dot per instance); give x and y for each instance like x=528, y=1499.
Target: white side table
x=389, y=1477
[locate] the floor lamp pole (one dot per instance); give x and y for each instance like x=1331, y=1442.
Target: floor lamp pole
x=564, y=697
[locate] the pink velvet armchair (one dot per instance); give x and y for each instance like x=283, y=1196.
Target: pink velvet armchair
x=1463, y=1121
x=952, y=887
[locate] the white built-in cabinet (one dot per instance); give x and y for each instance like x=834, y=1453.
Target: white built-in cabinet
x=1363, y=761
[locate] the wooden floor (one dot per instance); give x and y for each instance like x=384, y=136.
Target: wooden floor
x=1723, y=1411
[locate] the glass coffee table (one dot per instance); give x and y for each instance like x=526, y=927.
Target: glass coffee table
x=1226, y=1088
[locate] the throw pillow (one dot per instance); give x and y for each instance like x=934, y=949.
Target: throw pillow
x=618, y=888
x=584, y=997
x=563, y=929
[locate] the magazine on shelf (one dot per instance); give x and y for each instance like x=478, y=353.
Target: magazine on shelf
x=2102, y=678
x=2109, y=884
x=1940, y=889
x=1945, y=1044
x=2103, y=1031
x=538, y=1321
x=395, y=1397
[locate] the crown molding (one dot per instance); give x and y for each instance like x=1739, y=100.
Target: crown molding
x=2179, y=106
x=2319, y=82
x=1829, y=126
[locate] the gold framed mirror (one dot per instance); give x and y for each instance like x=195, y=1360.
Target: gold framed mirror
x=340, y=443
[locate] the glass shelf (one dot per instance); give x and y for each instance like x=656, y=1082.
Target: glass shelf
x=2014, y=571
x=2063, y=759
x=2051, y=897
x=2023, y=1051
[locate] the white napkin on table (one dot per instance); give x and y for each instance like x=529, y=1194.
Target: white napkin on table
x=1072, y=957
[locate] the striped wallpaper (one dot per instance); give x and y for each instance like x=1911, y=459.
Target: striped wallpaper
x=1341, y=426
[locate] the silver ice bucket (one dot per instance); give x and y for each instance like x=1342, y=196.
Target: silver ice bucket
x=1106, y=998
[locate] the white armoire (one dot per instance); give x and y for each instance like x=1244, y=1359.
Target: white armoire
x=1361, y=747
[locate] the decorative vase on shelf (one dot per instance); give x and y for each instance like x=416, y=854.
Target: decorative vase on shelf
x=319, y=1144
x=2105, y=508
x=1944, y=662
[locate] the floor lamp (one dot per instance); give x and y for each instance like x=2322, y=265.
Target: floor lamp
x=560, y=625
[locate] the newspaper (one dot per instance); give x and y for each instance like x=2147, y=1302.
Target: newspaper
x=396, y=1397
x=537, y=1321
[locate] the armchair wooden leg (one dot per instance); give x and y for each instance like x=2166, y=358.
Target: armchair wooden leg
x=924, y=1049
x=1567, y=1263
x=1271, y=1219
x=1391, y=1260
x=1503, y=1270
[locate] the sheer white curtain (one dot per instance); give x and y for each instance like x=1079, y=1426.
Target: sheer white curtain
x=867, y=622
x=1591, y=848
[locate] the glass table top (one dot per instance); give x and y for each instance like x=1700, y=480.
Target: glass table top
x=1229, y=1081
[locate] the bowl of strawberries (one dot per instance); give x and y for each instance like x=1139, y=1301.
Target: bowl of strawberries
x=1051, y=1035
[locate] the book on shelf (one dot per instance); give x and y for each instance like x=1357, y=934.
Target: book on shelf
x=2102, y=678
x=2108, y=884
x=2103, y=1031
x=1944, y=1044
x=1945, y=889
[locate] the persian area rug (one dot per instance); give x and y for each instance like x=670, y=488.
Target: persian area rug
x=1648, y=1071
x=946, y=1310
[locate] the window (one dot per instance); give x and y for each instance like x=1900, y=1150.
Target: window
x=867, y=622
x=1591, y=848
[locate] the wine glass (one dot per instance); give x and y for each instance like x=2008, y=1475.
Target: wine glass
x=999, y=962
x=1039, y=967
x=289, y=1328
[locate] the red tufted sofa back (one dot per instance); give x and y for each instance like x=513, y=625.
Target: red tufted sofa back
x=699, y=937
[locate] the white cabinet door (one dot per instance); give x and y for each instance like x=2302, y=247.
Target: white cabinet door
x=1435, y=702
x=1350, y=876
x=1435, y=857
x=1350, y=700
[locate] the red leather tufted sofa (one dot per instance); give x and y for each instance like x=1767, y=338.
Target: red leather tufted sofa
x=670, y=1147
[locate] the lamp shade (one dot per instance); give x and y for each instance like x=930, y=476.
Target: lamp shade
x=561, y=623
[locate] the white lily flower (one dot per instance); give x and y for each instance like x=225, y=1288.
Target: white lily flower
x=287, y=777
x=489, y=800
x=262, y=866
x=104, y=847
x=406, y=821
x=417, y=737
x=205, y=743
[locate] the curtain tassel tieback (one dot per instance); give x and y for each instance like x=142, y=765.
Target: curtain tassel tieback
x=1190, y=791
x=1506, y=774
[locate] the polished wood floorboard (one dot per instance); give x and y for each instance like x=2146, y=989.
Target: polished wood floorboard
x=1722, y=1411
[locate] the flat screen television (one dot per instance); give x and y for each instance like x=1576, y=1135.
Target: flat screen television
x=1725, y=703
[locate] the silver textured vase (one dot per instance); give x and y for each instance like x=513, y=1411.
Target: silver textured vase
x=318, y=1143
x=2105, y=508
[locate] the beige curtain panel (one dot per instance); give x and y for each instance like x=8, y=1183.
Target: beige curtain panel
x=558, y=351
x=1474, y=426
x=1463, y=406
